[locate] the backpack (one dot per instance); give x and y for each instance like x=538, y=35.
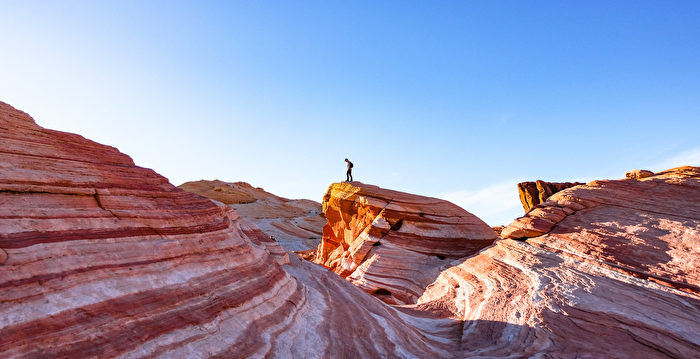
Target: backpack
x=351, y=165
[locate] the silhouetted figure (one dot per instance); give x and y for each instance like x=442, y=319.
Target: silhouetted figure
x=348, y=175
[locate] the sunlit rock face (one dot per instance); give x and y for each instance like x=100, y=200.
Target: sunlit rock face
x=608, y=270
x=394, y=244
x=534, y=193
x=295, y=223
x=519, y=301
x=647, y=227
x=102, y=259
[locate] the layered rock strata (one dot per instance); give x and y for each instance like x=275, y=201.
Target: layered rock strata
x=534, y=193
x=394, y=244
x=295, y=223
x=520, y=301
x=648, y=227
x=105, y=259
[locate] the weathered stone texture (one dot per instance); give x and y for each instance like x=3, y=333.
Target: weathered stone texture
x=534, y=193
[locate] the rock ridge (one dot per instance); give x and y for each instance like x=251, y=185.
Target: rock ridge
x=104, y=259
x=393, y=244
x=294, y=223
x=667, y=204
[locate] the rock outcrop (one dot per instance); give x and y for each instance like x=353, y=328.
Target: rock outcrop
x=394, y=244
x=638, y=174
x=534, y=193
x=521, y=301
x=649, y=227
x=106, y=259
x=295, y=223
x=100, y=258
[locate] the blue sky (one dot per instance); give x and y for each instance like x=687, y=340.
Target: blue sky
x=459, y=100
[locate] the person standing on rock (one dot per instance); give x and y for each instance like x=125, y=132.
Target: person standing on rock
x=348, y=174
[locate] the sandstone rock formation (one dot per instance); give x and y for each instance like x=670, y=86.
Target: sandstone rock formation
x=638, y=174
x=394, y=244
x=104, y=259
x=296, y=224
x=649, y=227
x=521, y=301
x=534, y=193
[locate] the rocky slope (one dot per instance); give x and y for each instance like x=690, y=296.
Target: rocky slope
x=649, y=227
x=393, y=244
x=102, y=259
x=296, y=224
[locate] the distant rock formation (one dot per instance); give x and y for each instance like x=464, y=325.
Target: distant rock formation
x=394, y=244
x=638, y=174
x=534, y=193
x=105, y=259
x=295, y=223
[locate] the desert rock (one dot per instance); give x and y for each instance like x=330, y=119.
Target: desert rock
x=638, y=174
x=106, y=259
x=649, y=228
x=393, y=244
x=534, y=193
x=295, y=223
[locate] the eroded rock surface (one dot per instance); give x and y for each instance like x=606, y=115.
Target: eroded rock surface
x=295, y=223
x=106, y=259
x=521, y=301
x=394, y=244
x=648, y=227
x=638, y=174
x=534, y=193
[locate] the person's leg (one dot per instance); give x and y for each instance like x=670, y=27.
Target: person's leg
x=347, y=176
x=350, y=173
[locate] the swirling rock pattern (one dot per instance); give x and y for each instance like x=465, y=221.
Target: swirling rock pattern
x=394, y=244
x=647, y=227
x=106, y=259
x=100, y=258
x=519, y=301
x=295, y=223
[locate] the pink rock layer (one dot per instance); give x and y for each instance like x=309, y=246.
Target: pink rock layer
x=393, y=244
x=296, y=224
x=103, y=259
x=649, y=228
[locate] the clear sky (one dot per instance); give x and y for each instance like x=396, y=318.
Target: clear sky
x=459, y=100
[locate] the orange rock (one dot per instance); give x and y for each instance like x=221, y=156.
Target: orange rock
x=394, y=243
x=534, y=193
x=107, y=259
x=638, y=174
x=295, y=223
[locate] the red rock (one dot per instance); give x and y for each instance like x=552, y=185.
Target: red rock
x=534, y=193
x=295, y=223
x=649, y=227
x=108, y=259
x=518, y=300
x=393, y=243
